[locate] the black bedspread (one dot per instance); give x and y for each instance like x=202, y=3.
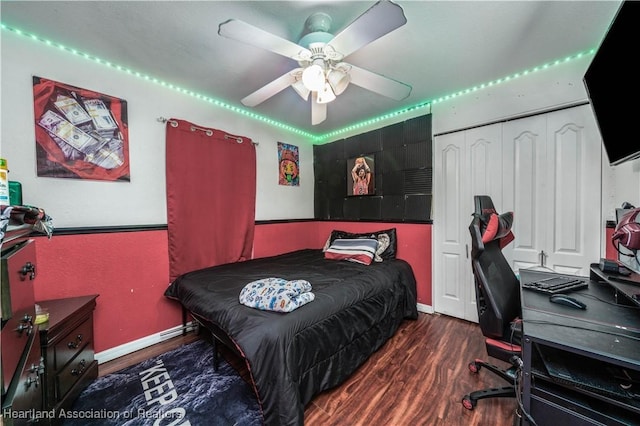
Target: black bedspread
x=294, y=356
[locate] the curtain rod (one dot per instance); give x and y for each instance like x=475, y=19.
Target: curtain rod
x=208, y=132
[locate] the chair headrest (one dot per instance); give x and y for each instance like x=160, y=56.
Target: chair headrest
x=491, y=225
x=482, y=203
x=496, y=227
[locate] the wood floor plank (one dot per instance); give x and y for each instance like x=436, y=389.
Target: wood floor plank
x=416, y=378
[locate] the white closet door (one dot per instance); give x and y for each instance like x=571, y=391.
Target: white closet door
x=525, y=188
x=555, y=192
x=451, y=271
x=465, y=164
x=574, y=167
x=546, y=169
x=484, y=147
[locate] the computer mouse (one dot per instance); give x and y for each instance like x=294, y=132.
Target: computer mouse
x=563, y=299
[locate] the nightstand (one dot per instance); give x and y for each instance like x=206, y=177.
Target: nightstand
x=67, y=348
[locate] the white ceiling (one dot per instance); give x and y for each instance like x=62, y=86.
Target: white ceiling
x=446, y=46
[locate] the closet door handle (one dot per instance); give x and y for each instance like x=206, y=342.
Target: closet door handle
x=543, y=258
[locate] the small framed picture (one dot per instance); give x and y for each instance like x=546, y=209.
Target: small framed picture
x=361, y=176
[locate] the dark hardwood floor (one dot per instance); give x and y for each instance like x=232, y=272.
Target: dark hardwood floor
x=417, y=378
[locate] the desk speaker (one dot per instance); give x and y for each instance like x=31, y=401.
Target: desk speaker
x=610, y=266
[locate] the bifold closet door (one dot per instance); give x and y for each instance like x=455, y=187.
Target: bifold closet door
x=553, y=185
x=546, y=169
x=466, y=163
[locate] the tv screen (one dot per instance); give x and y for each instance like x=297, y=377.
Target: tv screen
x=612, y=81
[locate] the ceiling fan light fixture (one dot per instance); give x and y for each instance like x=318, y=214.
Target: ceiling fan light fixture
x=326, y=95
x=301, y=89
x=319, y=53
x=339, y=80
x=313, y=77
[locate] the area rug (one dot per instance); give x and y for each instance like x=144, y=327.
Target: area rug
x=178, y=387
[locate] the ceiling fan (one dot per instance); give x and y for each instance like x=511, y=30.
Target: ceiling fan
x=322, y=73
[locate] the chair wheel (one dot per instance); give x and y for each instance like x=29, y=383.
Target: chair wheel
x=468, y=403
x=474, y=367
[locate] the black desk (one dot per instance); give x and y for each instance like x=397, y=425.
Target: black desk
x=606, y=334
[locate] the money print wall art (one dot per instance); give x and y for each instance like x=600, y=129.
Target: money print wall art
x=80, y=134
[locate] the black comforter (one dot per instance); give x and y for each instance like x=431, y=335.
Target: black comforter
x=294, y=356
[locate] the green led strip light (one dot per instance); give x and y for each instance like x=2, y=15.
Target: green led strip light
x=143, y=76
x=425, y=104
x=275, y=123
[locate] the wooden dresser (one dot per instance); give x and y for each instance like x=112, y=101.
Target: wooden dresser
x=68, y=351
x=21, y=368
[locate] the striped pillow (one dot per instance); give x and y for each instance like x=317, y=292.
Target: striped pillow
x=360, y=250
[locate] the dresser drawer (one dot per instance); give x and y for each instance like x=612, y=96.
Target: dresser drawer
x=17, y=305
x=68, y=349
x=70, y=345
x=74, y=371
x=18, y=272
x=15, y=336
x=25, y=397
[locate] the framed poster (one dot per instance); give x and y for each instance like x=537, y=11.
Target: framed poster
x=80, y=134
x=361, y=175
x=288, y=165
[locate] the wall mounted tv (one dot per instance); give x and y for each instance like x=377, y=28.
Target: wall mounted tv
x=612, y=81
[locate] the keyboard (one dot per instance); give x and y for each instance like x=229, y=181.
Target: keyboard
x=555, y=285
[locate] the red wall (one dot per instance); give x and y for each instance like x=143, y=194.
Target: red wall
x=130, y=271
x=276, y=238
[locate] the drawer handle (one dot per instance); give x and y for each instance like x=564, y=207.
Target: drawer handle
x=74, y=345
x=32, y=380
x=24, y=326
x=28, y=269
x=37, y=368
x=76, y=372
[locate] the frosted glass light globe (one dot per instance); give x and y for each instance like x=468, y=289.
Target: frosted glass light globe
x=313, y=78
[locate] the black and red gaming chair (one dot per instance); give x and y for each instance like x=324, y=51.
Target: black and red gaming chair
x=497, y=297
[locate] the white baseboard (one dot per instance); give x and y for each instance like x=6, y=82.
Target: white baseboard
x=136, y=345
x=425, y=308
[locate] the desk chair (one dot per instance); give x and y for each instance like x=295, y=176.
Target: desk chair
x=497, y=297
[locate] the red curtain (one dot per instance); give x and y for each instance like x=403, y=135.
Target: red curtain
x=211, y=196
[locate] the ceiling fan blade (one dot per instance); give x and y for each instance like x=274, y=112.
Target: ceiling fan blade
x=318, y=111
x=247, y=33
x=380, y=19
x=379, y=83
x=267, y=91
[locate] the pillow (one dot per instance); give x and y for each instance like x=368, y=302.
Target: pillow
x=387, y=240
x=359, y=250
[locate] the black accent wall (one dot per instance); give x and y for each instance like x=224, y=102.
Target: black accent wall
x=403, y=174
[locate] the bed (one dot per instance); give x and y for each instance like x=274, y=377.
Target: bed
x=293, y=356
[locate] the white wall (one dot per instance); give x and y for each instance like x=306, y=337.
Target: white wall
x=620, y=183
x=79, y=203
x=74, y=203
x=538, y=91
